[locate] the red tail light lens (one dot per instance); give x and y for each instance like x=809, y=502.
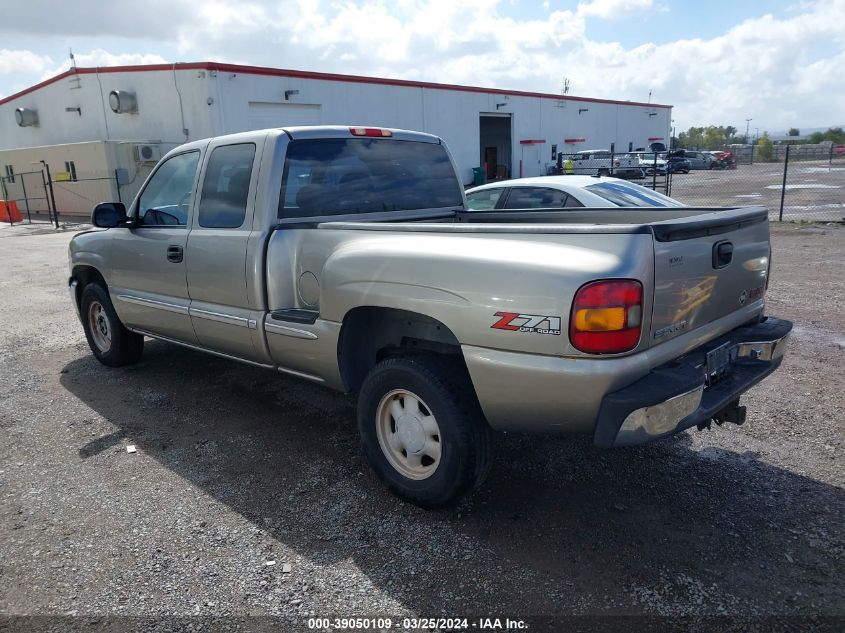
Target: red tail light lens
x=370, y=131
x=607, y=316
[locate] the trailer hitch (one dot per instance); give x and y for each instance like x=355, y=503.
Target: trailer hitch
x=734, y=413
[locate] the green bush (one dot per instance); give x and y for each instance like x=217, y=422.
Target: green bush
x=765, y=149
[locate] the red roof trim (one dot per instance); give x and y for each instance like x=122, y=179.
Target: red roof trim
x=532, y=141
x=574, y=140
x=655, y=138
x=303, y=74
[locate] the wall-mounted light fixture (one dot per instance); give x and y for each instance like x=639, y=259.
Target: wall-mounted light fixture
x=652, y=114
x=500, y=105
x=26, y=117
x=290, y=93
x=123, y=102
x=77, y=109
x=580, y=110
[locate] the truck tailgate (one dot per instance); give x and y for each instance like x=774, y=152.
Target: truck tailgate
x=706, y=267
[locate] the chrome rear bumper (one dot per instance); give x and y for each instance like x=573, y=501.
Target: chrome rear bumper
x=682, y=394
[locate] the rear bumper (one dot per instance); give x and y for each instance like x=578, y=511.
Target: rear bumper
x=676, y=396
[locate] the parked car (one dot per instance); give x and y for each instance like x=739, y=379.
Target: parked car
x=564, y=192
x=698, y=160
x=724, y=160
x=678, y=164
x=600, y=162
x=345, y=256
x=651, y=163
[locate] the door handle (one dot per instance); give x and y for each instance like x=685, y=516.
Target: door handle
x=175, y=254
x=722, y=254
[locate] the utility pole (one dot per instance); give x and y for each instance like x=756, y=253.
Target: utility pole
x=747, y=122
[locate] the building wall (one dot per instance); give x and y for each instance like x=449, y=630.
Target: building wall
x=159, y=118
x=451, y=114
x=218, y=99
x=95, y=164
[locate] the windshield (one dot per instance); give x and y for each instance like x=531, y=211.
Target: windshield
x=626, y=194
x=366, y=175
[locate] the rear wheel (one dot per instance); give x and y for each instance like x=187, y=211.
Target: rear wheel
x=422, y=430
x=109, y=340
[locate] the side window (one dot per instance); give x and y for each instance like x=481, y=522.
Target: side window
x=70, y=167
x=226, y=186
x=166, y=200
x=572, y=202
x=535, y=198
x=483, y=200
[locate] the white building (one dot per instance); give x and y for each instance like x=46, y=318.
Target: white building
x=95, y=127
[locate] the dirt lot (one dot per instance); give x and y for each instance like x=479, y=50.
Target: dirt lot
x=814, y=191
x=236, y=467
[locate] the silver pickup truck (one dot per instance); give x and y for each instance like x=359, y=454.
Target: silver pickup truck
x=346, y=256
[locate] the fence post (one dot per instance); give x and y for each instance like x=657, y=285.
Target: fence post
x=654, y=174
x=52, y=194
x=612, y=157
x=117, y=185
x=830, y=158
x=25, y=200
x=783, y=186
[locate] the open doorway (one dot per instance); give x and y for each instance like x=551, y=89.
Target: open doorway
x=495, y=148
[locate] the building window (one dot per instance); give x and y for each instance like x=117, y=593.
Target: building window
x=10, y=173
x=70, y=167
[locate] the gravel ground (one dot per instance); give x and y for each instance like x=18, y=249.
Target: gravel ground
x=247, y=495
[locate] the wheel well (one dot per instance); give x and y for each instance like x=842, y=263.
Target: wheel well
x=369, y=335
x=86, y=275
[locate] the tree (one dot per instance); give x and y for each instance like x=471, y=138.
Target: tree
x=834, y=135
x=794, y=131
x=765, y=147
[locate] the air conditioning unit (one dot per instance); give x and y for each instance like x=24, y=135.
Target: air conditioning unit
x=147, y=153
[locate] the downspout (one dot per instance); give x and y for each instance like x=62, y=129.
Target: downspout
x=181, y=109
x=103, y=104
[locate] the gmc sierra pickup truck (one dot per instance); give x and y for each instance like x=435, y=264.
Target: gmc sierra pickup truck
x=346, y=256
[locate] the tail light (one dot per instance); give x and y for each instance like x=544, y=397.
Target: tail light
x=607, y=316
x=370, y=131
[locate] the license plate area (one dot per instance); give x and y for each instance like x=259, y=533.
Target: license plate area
x=718, y=363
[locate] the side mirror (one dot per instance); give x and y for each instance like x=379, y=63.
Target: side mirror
x=108, y=215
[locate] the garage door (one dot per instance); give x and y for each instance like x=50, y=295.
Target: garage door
x=266, y=114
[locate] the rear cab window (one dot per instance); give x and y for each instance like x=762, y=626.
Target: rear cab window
x=625, y=194
x=366, y=175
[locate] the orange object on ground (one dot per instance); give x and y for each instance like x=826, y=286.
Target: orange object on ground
x=9, y=212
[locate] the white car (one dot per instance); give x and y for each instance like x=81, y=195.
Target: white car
x=557, y=192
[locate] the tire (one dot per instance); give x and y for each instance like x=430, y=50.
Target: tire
x=445, y=418
x=603, y=172
x=110, y=342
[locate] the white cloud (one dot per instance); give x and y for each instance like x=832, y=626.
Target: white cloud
x=782, y=71
x=99, y=57
x=17, y=61
x=612, y=9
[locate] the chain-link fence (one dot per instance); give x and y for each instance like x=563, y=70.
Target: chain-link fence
x=796, y=183
x=38, y=196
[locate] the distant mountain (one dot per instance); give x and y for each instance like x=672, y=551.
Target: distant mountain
x=805, y=131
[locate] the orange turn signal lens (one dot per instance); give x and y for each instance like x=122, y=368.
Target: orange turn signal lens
x=600, y=319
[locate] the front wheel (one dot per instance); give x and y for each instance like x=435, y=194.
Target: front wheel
x=422, y=430
x=109, y=340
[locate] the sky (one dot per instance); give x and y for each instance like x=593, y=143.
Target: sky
x=780, y=63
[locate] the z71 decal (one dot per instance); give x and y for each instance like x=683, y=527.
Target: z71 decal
x=515, y=322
